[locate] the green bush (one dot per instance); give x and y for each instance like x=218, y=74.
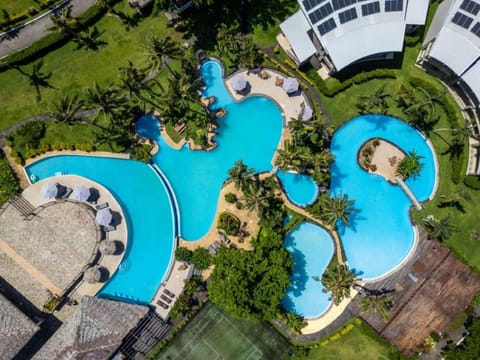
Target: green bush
x=183, y=254
x=229, y=223
x=9, y=185
x=141, y=152
x=472, y=181
x=29, y=135
x=201, y=258
x=230, y=198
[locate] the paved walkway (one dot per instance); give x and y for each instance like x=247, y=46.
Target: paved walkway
x=21, y=261
x=34, y=31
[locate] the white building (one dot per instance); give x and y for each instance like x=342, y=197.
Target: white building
x=336, y=33
x=451, y=50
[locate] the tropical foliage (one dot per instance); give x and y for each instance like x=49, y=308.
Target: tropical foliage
x=183, y=254
x=201, y=258
x=293, y=321
x=377, y=303
x=333, y=209
x=338, y=280
x=188, y=300
x=240, y=174
x=375, y=103
x=438, y=229
x=9, y=185
x=410, y=165
x=251, y=284
x=141, y=152
x=469, y=349
x=228, y=222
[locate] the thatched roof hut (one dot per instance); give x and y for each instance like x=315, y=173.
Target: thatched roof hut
x=16, y=329
x=95, y=331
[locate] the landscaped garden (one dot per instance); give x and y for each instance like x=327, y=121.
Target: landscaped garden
x=19, y=11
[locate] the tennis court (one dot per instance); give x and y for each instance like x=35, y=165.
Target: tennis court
x=214, y=335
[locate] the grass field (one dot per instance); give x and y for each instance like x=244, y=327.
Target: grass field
x=213, y=334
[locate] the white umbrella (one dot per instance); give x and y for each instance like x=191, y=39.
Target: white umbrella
x=81, y=193
x=238, y=82
x=307, y=112
x=104, y=217
x=49, y=190
x=290, y=85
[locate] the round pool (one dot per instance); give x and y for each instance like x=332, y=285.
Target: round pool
x=300, y=189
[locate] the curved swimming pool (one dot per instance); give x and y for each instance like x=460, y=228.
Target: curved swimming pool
x=300, y=189
x=147, y=211
x=381, y=235
x=250, y=131
x=312, y=248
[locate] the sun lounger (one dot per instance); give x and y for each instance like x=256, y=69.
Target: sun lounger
x=162, y=304
x=212, y=250
x=101, y=206
x=169, y=293
x=216, y=244
x=166, y=299
x=412, y=277
x=109, y=228
x=224, y=239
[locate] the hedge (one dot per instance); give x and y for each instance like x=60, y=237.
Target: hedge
x=9, y=185
x=53, y=40
x=472, y=181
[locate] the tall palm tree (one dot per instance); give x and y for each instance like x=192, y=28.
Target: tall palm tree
x=373, y=103
x=438, y=229
x=337, y=208
x=159, y=50
x=338, y=280
x=183, y=90
x=62, y=19
x=65, y=109
x=410, y=165
x=134, y=81
x=255, y=197
x=37, y=77
x=380, y=304
x=108, y=100
x=240, y=174
x=294, y=321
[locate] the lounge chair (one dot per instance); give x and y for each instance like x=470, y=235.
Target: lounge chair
x=162, y=304
x=224, y=239
x=216, y=244
x=166, y=299
x=101, y=206
x=212, y=250
x=169, y=293
x=108, y=228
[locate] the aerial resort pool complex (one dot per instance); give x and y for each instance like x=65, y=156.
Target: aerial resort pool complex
x=177, y=195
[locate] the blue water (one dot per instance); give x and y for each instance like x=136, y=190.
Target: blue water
x=300, y=189
x=381, y=235
x=312, y=248
x=146, y=208
x=249, y=132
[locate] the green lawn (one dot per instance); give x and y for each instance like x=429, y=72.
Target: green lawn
x=74, y=70
x=11, y=8
x=360, y=343
x=213, y=334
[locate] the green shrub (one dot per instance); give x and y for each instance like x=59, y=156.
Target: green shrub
x=183, y=254
x=457, y=166
x=229, y=223
x=230, y=198
x=29, y=135
x=141, y=152
x=201, y=258
x=9, y=185
x=472, y=181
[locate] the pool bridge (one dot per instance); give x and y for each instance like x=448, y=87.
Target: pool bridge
x=409, y=193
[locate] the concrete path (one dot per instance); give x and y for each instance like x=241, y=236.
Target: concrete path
x=21, y=261
x=23, y=37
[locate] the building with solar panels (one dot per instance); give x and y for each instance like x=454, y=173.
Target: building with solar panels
x=332, y=34
x=451, y=51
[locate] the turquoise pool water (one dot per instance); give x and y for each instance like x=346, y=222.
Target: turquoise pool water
x=300, y=189
x=312, y=248
x=147, y=211
x=250, y=131
x=380, y=236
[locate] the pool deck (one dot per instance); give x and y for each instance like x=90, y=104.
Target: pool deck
x=120, y=233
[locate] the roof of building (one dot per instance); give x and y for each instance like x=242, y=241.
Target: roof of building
x=417, y=12
x=472, y=78
x=16, y=329
x=350, y=31
x=95, y=331
x=295, y=29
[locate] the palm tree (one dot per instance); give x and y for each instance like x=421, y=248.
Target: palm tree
x=455, y=197
x=337, y=208
x=107, y=100
x=240, y=174
x=376, y=102
x=89, y=39
x=410, y=165
x=380, y=304
x=65, y=109
x=159, y=50
x=338, y=280
x=62, y=19
x=294, y=321
x=37, y=78
x=182, y=90
x=438, y=229
x=134, y=81
x=255, y=197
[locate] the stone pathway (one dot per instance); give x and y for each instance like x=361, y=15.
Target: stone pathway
x=21, y=261
x=24, y=36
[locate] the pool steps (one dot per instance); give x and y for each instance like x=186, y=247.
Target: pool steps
x=409, y=192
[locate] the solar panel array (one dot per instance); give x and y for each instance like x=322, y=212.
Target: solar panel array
x=462, y=20
x=476, y=29
x=310, y=4
x=470, y=6
x=327, y=26
x=393, y=5
x=340, y=4
x=348, y=15
x=371, y=8
x=321, y=13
